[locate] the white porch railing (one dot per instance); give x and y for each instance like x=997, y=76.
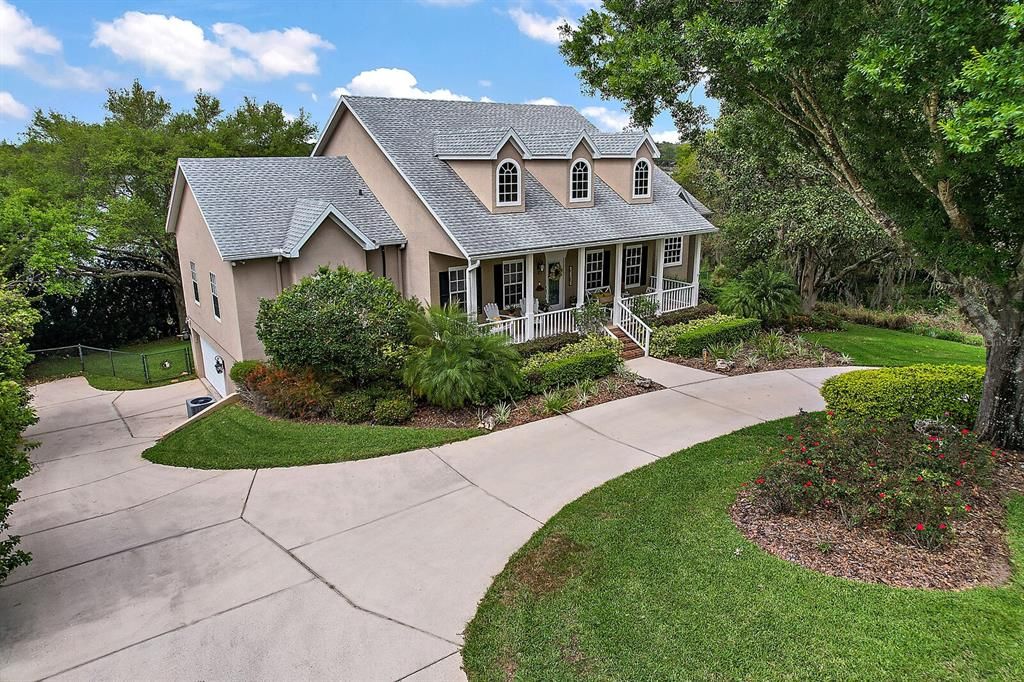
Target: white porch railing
x=513, y=327
x=675, y=295
x=633, y=326
x=544, y=324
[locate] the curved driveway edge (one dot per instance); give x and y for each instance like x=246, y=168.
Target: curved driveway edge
x=362, y=570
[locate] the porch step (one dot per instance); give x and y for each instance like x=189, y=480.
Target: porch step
x=630, y=350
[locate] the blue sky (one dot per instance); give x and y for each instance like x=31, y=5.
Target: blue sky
x=62, y=55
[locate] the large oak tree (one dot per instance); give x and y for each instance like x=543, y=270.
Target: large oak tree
x=915, y=109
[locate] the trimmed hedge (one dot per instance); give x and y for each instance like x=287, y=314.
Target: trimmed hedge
x=354, y=407
x=950, y=392
x=528, y=349
x=691, y=338
x=592, y=358
x=393, y=411
x=240, y=370
x=697, y=312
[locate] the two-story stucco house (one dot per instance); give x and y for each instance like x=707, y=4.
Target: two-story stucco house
x=517, y=213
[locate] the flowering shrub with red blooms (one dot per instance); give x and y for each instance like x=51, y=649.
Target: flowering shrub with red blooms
x=883, y=475
x=292, y=395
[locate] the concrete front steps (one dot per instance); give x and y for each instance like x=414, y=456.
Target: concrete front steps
x=630, y=351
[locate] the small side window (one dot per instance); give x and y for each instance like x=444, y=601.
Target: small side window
x=195, y=281
x=673, y=250
x=213, y=294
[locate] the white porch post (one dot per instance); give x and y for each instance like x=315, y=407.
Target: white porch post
x=659, y=284
x=471, y=292
x=528, y=297
x=696, y=268
x=618, y=283
x=581, y=276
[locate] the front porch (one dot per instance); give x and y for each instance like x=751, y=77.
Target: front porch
x=664, y=270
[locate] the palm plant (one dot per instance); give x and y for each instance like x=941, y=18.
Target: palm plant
x=453, y=362
x=761, y=291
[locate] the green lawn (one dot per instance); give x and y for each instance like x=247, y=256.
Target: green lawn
x=886, y=347
x=237, y=438
x=121, y=370
x=647, y=578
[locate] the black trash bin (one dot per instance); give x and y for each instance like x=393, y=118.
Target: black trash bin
x=194, y=406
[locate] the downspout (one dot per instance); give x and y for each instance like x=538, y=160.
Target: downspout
x=280, y=278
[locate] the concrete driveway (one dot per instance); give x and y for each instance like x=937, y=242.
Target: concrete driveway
x=359, y=571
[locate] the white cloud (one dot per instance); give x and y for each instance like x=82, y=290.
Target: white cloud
x=315, y=97
x=10, y=107
x=485, y=98
x=607, y=119
x=19, y=36
x=546, y=101
x=484, y=83
x=179, y=49
x=538, y=26
x=666, y=136
x=385, y=82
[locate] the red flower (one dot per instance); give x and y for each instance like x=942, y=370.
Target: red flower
x=920, y=478
x=809, y=462
x=933, y=438
x=789, y=438
x=964, y=432
x=967, y=507
x=831, y=413
x=816, y=443
x=963, y=462
x=919, y=526
x=958, y=483
x=942, y=457
x=808, y=484
x=760, y=480
x=803, y=448
x=942, y=526
x=995, y=453
x=881, y=496
x=871, y=464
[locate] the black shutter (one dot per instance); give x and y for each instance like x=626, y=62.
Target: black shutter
x=479, y=290
x=442, y=278
x=497, y=286
x=607, y=274
x=643, y=265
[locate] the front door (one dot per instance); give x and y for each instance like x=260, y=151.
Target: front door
x=555, y=284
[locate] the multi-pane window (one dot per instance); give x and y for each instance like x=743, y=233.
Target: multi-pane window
x=513, y=283
x=195, y=281
x=642, y=179
x=579, y=181
x=673, y=251
x=457, y=288
x=508, y=183
x=213, y=294
x=595, y=270
x=633, y=265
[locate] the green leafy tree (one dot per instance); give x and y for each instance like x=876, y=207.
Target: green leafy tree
x=16, y=320
x=891, y=99
x=454, y=363
x=345, y=325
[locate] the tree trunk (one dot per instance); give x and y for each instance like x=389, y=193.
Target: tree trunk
x=1001, y=416
x=809, y=281
x=179, y=305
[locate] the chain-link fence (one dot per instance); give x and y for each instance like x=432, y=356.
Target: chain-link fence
x=144, y=368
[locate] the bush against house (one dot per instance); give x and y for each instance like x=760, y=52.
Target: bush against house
x=689, y=339
x=349, y=326
x=16, y=321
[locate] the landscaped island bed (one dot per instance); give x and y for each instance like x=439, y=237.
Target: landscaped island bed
x=647, y=577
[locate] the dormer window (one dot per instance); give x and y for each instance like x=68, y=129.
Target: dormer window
x=579, y=181
x=508, y=179
x=641, y=179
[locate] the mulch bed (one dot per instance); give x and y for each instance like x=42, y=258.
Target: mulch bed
x=708, y=365
x=531, y=408
x=821, y=542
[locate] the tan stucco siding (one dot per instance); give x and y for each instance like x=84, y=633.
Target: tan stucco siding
x=618, y=174
x=331, y=246
x=554, y=175
x=254, y=279
x=424, y=233
x=195, y=244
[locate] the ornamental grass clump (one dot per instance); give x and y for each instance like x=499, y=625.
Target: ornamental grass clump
x=916, y=485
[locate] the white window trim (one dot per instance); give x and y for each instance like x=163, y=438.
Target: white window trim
x=679, y=261
x=586, y=262
x=214, y=297
x=504, y=295
x=519, y=183
x=649, y=178
x=639, y=250
x=195, y=282
x=590, y=181
x=465, y=285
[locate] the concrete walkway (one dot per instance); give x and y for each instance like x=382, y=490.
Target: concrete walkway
x=361, y=570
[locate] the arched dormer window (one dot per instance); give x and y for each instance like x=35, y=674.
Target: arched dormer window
x=508, y=183
x=641, y=179
x=579, y=181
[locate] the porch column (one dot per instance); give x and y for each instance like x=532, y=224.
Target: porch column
x=696, y=269
x=659, y=284
x=471, y=291
x=581, y=276
x=528, y=297
x=618, y=283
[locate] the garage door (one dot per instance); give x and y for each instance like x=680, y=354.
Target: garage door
x=210, y=358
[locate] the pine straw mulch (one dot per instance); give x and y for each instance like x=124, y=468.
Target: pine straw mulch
x=707, y=364
x=531, y=408
x=821, y=542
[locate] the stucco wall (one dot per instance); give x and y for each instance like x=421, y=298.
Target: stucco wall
x=254, y=279
x=331, y=246
x=618, y=174
x=424, y=233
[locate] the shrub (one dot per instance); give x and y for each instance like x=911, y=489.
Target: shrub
x=454, y=363
x=354, y=407
x=590, y=318
x=691, y=338
x=761, y=291
x=913, y=484
x=644, y=307
x=917, y=392
x=16, y=415
x=819, y=320
x=349, y=325
x=292, y=395
x=392, y=411
x=546, y=344
x=685, y=315
x=592, y=358
x=241, y=369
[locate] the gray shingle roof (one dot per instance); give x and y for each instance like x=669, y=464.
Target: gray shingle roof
x=470, y=142
x=626, y=142
x=406, y=130
x=260, y=207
